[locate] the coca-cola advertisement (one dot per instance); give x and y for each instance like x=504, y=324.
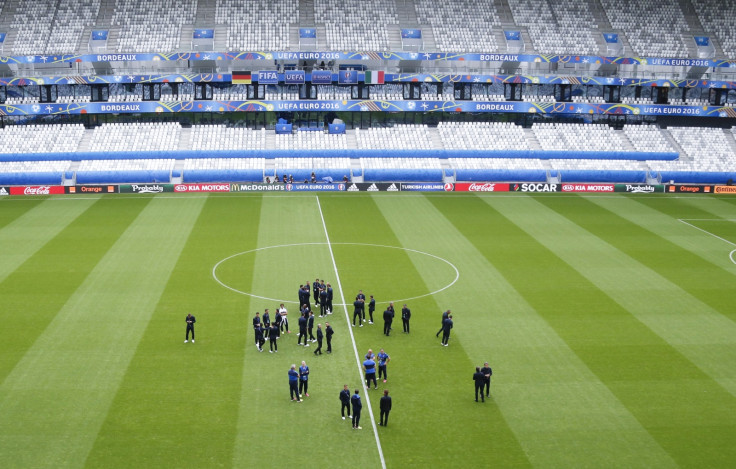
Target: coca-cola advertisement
x=481, y=187
x=36, y=190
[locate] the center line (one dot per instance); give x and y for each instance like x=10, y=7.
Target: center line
x=352, y=338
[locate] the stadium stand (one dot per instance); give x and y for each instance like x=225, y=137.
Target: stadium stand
x=461, y=26
x=257, y=25
x=349, y=25
x=720, y=18
x=151, y=25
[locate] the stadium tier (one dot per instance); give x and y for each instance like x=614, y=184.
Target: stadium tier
x=103, y=91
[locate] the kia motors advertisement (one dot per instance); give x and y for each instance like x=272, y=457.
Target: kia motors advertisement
x=218, y=187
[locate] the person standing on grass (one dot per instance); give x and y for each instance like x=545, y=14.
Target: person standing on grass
x=388, y=318
x=383, y=359
x=259, y=338
x=480, y=381
x=319, y=340
x=487, y=372
x=330, y=294
x=356, y=312
x=446, y=328
x=266, y=322
x=357, y=407
x=304, y=379
x=256, y=323
x=310, y=326
x=294, y=384
x=328, y=334
x=369, y=367
x=323, y=302
x=284, y=319
x=315, y=291
x=190, y=327
x=442, y=326
x=371, y=309
x=361, y=297
x=273, y=334
x=303, y=331
x=385, y=405
x=345, y=401
x=405, y=316
x=277, y=322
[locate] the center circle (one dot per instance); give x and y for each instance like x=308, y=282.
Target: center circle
x=231, y=285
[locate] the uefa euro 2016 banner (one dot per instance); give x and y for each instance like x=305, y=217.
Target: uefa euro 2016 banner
x=296, y=77
x=368, y=55
x=363, y=106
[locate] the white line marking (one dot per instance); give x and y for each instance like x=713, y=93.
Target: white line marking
x=707, y=232
x=217, y=279
x=730, y=255
x=352, y=338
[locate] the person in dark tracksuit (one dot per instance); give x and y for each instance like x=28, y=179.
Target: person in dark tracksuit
x=487, y=372
x=388, y=318
x=385, y=405
x=371, y=309
x=361, y=297
x=318, y=351
x=357, y=407
x=273, y=334
x=369, y=367
x=256, y=323
x=330, y=294
x=310, y=326
x=303, y=331
x=405, y=316
x=446, y=327
x=266, y=323
x=356, y=312
x=323, y=302
x=315, y=291
x=259, y=338
x=480, y=381
x=442, y=326
x=328, y=334
x=190, y=327
x=294, y=384
x=345, y=401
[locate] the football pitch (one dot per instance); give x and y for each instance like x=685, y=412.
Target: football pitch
x=609, y=322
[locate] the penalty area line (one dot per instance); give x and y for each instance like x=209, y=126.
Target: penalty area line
x=352, y=338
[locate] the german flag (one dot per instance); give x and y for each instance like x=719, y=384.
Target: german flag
x=242, y=78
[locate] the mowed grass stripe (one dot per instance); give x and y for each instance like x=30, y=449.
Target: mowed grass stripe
x=34, y=227
x=55, y=401
x=559, y=410
x=177, y=404
x=32, y=295
x=12, y=209
x=423, y=376
x=693, y=260
x=630, y=333
x=297, y=433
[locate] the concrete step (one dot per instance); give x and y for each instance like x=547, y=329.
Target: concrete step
x=683, y=154
x=531, y=138
x=185, y=138
x=86, y=140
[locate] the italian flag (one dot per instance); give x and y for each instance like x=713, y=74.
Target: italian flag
x=242, y=78
x=374, y=78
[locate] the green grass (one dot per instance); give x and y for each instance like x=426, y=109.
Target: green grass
x=608, y=321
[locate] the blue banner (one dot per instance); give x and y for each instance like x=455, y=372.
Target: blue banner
x=2, y=37
x=204, y=34
x=267, y=77
x=321, y=77
x=284, y=128
x=99, y=35
x=307, y=33
x=369, y=55
x=336, y=128
x=611, y=38
x=110, y=79
x=356, y=105
x=300, y=187
x=411, y=33
x=347, y=77
x=512, y=35
x=702, y=41
x=294, y=77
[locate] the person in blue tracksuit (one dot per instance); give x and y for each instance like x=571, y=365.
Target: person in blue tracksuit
x=294, y=384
